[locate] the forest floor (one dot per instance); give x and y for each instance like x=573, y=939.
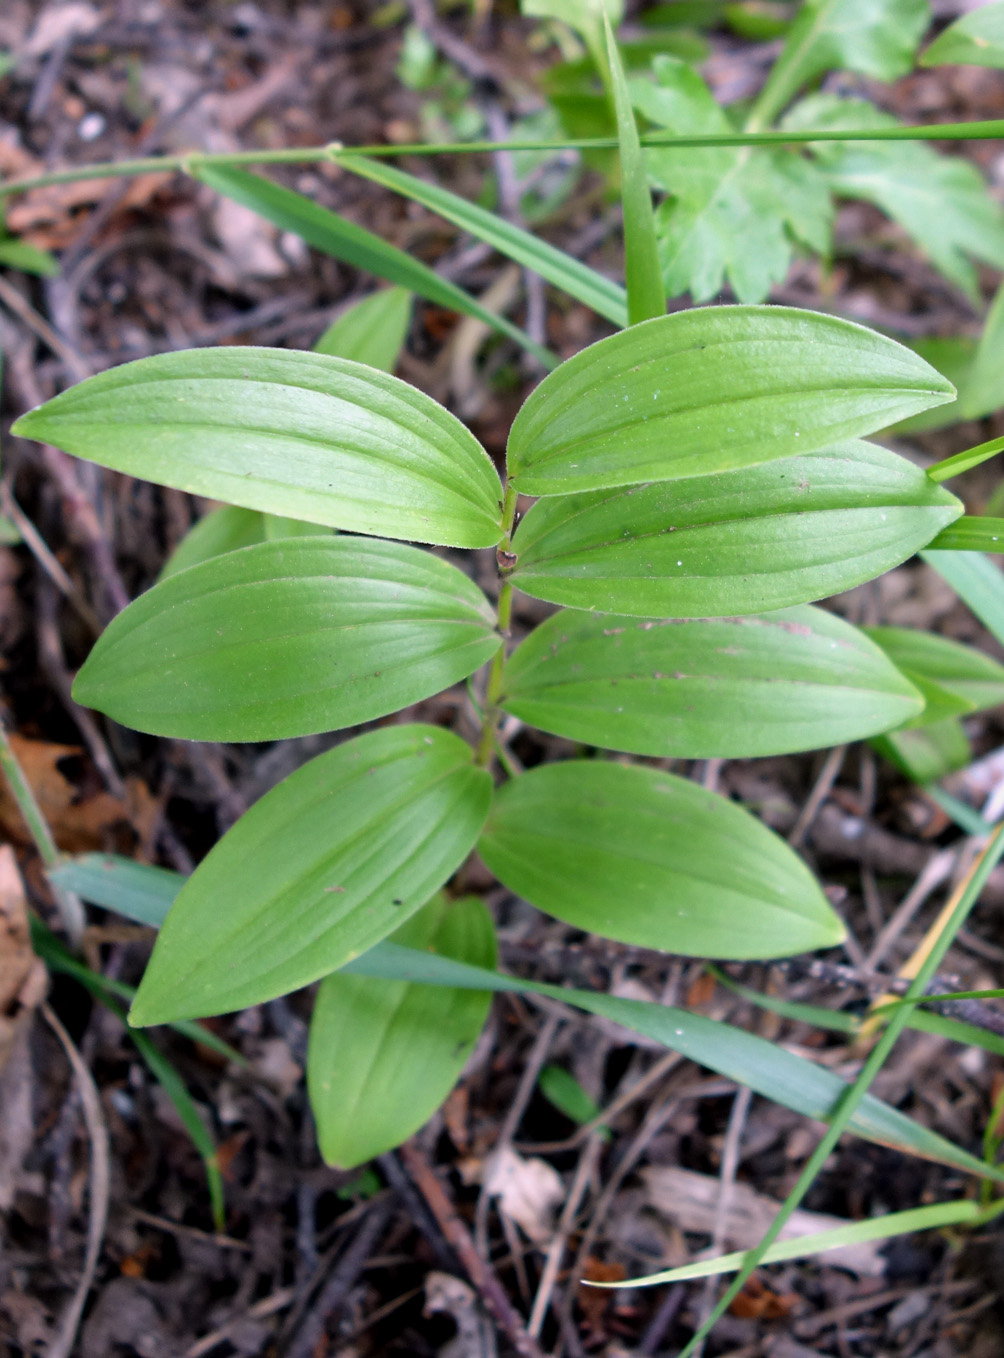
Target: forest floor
x=315, y=1261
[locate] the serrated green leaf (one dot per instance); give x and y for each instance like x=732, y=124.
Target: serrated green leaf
x=734, y=213
x=711, y=390
x=332, y=860
x=941, y=201
x=337, y=236
x=788, y=532
x=383, y=1055
x=876, y=38
x=740, y=687
x=604, y=296
x=289, y=638
x=651, y=859
x=291, y=433
x=975, y=39
x=927, y=753
x=765, y=1067
x=969, y=675
x=372, y=331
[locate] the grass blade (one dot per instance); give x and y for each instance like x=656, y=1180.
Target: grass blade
x=961, y=462
x=605, y=297
x=971, y=533
x=336, y=236
x=977, y=582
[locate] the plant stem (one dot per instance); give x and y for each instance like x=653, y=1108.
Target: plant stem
x=70, y=908
x=493, y=691
x=989, y=130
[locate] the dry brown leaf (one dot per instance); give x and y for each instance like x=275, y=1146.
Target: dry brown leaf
x=22, y=974
x=79, y=822
x=47, y=218
x=528, y=1191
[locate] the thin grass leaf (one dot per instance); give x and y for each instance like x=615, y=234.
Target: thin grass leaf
x=643, y=273
x=804, y=1246
x=971, y=533
x=605, y=297
x=977, y=582
x=961, y=462
x=336, y=236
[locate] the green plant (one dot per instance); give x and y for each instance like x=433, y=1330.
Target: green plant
x=703, y=479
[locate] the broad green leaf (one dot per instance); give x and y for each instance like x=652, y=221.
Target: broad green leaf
x=765, y=1067
x=18, y=254
x=328, y=863
x=976, y=39
x=651, y=859
x=927, y=753
x=965, y=673
x=222, y=530
x=278, y=526
x=337, y=236
x=383, y=1055
x=605, y=297
x=732, y=687
x=941, y=201
x=646, y=294
x=711, y=390
x=734, y=213
x=298, y=434
x=372, y=331
x=972, y=533
x=289, y=638
x=787, y=532
x=876, y=38
x=978, y=583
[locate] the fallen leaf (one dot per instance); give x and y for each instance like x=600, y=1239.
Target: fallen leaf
x=528, y=1191
x=59, y=24
x=22, y=975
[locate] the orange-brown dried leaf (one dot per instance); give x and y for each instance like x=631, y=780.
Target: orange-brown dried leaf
x=22, y=975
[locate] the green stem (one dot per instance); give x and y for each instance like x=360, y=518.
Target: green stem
x=966, y=899
x=493, y=691
x=70, y=908
x=991, y=130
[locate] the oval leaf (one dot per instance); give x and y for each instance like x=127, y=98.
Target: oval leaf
x=304, y=435
x=654, y=860
x=332, y=860
x=372, y=331
x=383, y=1055
x=222, y=530
x=975, y=679
x=289, y=638
x=793, y=680
x=710, y=390
x=746, y=541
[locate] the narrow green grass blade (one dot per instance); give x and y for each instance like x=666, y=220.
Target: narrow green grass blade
x=646, y=291
x=141, y=893
x=804, y=1246
x=964, y=816
x=977, y=582
x=605, y=297
x=971, y=533
x=961, y=462
x=336, y=236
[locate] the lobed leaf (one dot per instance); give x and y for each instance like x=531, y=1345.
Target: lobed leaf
x=289, y=638
x=787, y=532
x=732, y=687
x=383, y=1055
x=711, y=390
x=298, y=434
x=652, y=859
x=332, y=860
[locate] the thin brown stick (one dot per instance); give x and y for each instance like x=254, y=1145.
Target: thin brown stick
x=479, y=1270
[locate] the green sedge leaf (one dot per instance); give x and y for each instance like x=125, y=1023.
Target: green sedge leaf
x=332, y=860
x=606, y=298
x=291, y=433
x=646, y=294
x=977, y=39
x=383, y=1055
x=289, y=638
x=372, y=331
x=978, y=583
x=738, y=687
x=966, y=674
x=336, y=236
x=563, y=1090
x=746, y=541
x=876, y=38
x=18, y=254
x=711, y=390
x=926, y=753
x=972, y=533
x=651, y=859
x=765, y=1067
